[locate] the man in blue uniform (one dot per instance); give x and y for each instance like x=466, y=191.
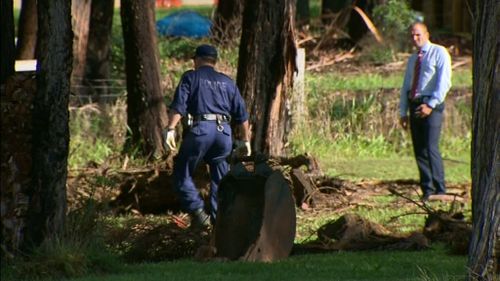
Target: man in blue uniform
x=211, y=100
x=426, y=83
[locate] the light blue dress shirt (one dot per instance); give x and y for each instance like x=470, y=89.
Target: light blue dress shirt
x=435, y=77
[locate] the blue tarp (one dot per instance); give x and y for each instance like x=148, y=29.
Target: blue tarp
x=184, y=23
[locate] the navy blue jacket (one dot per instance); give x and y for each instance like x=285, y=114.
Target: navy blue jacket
x=206, y=91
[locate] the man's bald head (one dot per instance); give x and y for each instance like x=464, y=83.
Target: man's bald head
x=420, y=25
x=419, y=34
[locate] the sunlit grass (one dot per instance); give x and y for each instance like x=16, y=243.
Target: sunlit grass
x=205, y=10
x=336, y=81
x=357, y=158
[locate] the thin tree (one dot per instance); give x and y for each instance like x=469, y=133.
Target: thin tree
x=265, y=71
x=146, y=111
x=7, y=47
x=47, y=195
x=484, y=243
x=80, y=11
x=227, y=20
x=97, y=67
x=28, y=27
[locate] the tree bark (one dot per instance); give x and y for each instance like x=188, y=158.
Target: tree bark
x=227, y=21
x=7, y=47
x=26, y=34
x=146, y=111
x=47, y=206
x=484, y=248
x=97, y=67
x=15, y=158
x=265, y=71
x=80, y=11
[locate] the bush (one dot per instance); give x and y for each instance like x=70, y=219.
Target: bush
x=376, y=53
x=97, y=132
x=393, y=19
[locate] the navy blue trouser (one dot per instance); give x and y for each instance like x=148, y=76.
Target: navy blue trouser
x=203, y=141
x=425, y=133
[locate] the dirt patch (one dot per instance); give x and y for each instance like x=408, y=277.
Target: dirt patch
x=143, y=238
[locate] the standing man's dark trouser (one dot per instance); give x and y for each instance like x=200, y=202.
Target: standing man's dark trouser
x=425, y=133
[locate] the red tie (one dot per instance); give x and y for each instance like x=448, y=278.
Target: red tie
x=416, y=75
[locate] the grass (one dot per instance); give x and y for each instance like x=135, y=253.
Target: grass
x=390, y=169
x=357, y=158
x=205, y=10
x=433, y=264
x=335, y=81
x=97, y=132
x=76, y=251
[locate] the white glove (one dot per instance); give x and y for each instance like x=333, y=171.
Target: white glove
x=170, y=140
x=243, y=147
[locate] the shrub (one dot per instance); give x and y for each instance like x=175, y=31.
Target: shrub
x=393, y=19
x=97, y=132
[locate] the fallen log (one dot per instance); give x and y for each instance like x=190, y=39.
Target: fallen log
x=353, y=232
x=450, y=228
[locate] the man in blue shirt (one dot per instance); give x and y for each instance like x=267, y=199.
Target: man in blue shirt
x=211, y=101
x=426, y=83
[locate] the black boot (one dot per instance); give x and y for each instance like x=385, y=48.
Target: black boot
x=200, y=219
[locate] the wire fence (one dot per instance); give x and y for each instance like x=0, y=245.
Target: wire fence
x=85, y=91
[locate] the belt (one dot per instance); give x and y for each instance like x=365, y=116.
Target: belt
x=419, y=100
x=212, y=117
x=424, y=99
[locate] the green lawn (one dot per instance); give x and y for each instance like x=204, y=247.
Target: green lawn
x=337, y=81
x=433, y=264
x=392, y=168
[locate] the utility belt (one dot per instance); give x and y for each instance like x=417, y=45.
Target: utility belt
x=218, y=118
x=212, y=117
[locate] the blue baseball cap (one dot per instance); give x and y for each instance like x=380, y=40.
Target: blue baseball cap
x=205, y=51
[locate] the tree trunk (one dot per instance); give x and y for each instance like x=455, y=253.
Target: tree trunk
x=26, y=34
x=7, y=47
x=97, y=67
x=146, y=111
x=227, y=21
x=47, y=206
x=15, y=121
x=484, y=248
x=303, y=12
x=265, y=71
x=330, y=7
x=80, y=11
